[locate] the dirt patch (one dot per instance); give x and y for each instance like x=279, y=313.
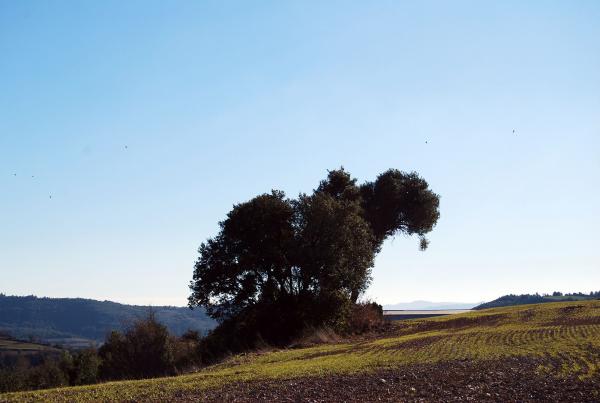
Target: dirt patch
x=571, y=308
x=527, y=315
x=571, y=321
x=572, y=316
x=415, y=343
x=509, y=380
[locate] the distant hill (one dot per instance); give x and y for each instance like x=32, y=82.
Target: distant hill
x=418, y=305
x=511, y=299
x=78, y=322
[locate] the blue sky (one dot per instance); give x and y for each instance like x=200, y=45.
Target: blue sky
x=220, y=101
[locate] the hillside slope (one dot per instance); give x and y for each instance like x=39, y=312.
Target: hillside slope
x=541, y=352
x=524, y=299
x=79, y=322
x=15, y=352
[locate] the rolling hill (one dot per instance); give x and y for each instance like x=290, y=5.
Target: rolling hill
x=543, y=352
x=512, y=299
x=77, y=322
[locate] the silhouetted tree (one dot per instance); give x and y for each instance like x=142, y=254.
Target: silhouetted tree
x=85, y=367
x=145, y=350
x=279, y=264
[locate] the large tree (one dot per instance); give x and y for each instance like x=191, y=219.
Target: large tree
x=298, y=262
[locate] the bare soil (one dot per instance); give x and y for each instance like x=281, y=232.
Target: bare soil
x=508, y=380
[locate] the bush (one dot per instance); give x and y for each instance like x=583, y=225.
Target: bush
x=186, y=350
x=280, y=326
x=12, y=380
x=48, y=375
x=144, y=351
x=86, y=364
x=48, y=371
x=365, y=317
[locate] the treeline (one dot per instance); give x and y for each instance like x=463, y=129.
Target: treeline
x=512, y=299
x=145, y=350
x=47, y=371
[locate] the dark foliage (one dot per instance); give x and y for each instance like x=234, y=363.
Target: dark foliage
x=85, y=367
x=398, y=202
x=43, y=371
x=145, y=350
x=280, y=265
x=511, y=299
x=186, y=351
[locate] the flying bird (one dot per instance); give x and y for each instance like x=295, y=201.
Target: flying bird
x=513, y=131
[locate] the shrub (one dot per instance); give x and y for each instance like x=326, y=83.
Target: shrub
x=47, y=375
x=85, y=367
x=186, y=350
x=365, y=317
x=144, y=351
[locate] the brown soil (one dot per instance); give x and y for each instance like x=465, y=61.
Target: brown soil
x=509, y=380
x=415, y=343
x=592, y=320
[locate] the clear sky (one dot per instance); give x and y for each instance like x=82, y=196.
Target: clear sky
x=145, y=121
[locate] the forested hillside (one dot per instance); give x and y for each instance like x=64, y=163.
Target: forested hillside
x=512, y=299
x=79, y=322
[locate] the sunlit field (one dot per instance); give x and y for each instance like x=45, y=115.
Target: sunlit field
x=563, y=338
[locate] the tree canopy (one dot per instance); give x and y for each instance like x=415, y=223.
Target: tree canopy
x=307, y=258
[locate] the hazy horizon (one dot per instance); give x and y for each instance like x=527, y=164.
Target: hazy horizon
x=128, y=130
x=421, y=302
x=176, y=302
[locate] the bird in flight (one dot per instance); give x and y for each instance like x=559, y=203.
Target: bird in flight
x=513, y=131
x=126, y=147
x=50, y=196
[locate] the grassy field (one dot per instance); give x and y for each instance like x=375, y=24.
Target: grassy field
x=7, y=345
x=563, y=338
x=16, y=345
